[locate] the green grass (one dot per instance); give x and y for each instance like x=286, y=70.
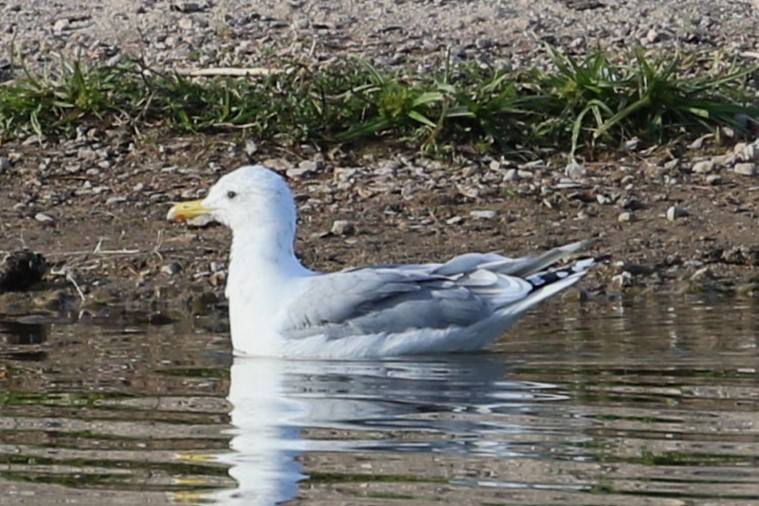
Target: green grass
x=571, y=104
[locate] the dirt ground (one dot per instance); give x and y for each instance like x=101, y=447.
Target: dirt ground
x=108, y=243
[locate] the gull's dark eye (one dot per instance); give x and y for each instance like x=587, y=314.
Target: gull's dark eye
x=231, y=194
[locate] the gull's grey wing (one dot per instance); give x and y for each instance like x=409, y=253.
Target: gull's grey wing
x=387, y=299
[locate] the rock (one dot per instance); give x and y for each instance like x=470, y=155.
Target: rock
x=342, y=227
x=672, y=164
x=713, y=179
x=5, y=164
x=115, y=200
x=304, y=168
x=625, y=217
x=455, y=220
x=171, y=268
x=632, y=144
x=200, y=221
x=745, y=168
x=702, y=274
x=188, y=7
x=525, y=174
x=251, y=148
x=511, y=175
x=604, y=199
x=652, y=36
x=703, y=167
x=44, y=218
x=61, y=25
x=484, y=214
x=623, y=280
x=676, y=212
x=575, y=171
x=21, y=269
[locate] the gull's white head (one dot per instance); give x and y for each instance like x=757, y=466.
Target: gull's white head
x=248, y=199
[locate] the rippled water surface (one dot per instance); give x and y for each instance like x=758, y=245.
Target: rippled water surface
x=650, y=402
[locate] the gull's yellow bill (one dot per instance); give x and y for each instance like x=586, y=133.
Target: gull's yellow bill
x=183, y=211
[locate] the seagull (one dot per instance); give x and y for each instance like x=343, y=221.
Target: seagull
x=279, y=308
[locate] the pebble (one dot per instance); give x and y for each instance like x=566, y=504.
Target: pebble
x=604, y=199
x=745, y=168
x=188, y=7
x=713, y=179
x=251, y=148
x=623, y=280
x=304, y=168
x=676, y=212
x=342, y=227
x=511, y=176
x=455, y=220
x=5, y=164
x=525, y=174
x=575, y=171
x=115, y=200
x=44, y=218
x=703, y=167
x=484, y=214
x=632, y=144
x=171, y=268
x=61, y=25
x=200, y=221
x=625, y=217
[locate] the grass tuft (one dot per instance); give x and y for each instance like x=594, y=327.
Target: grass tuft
x=597, y=101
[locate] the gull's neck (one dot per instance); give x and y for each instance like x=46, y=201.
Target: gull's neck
x=264, y=253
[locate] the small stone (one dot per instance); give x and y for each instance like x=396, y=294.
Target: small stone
x=61, y=25
x=200, y=221
x=622, y=280
x=44, y=218
x=603, y=199
x=713, y=179
x=575, y=171
x=752, y=152
x=5, y=164
x=632, y=144
x=698, y=143
x=218, y=278
x=745, y=168
x=672, y=164
x=703, y=167
x=676, y=212
x=185, y=23
x=455, y=220
x=251, y=148
x=484, y=214
x=304, y=168
x=511, y=175
x=171, y=268
x=342, y=227
x=115, y=200
x=625, y=217
x=525, y=174
x=702, y=274
x=188, y=7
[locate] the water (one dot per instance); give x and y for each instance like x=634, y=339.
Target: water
x=643, y=402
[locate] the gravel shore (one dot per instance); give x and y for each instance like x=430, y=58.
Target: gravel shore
x=190, y=33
